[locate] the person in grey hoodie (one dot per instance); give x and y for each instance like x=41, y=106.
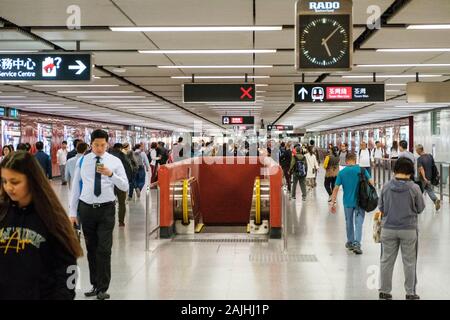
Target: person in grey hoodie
x=400, y=202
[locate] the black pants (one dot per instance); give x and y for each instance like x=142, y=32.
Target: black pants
x=287, y=176
x=329, y=184
x=98, y=226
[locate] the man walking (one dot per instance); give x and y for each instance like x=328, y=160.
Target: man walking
x=122, y=195
x=61, y=160
x=349, y=178
x=99, y=173
x=73, y=153
x=425, y=173
x=44, y=160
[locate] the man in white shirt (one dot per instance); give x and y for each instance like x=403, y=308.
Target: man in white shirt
x=72, y=162
x=378, y=152
x=99, y=172
x=61, y=160
x=364, y=158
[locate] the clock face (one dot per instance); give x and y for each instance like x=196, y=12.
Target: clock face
x=324, y=42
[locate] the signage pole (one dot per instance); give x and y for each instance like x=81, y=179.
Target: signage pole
x=193, y=78
x=417, y=77
x=374, y=77
x=246, y=77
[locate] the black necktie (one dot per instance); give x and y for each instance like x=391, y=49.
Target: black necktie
x=98, y=180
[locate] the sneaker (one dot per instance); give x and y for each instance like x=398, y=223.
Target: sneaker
x=412, y=297
x=385, y=296
x=304, y=198
x=121, y=224
x=93, y=292
x=64, y=183
x=437, y=204
x=102, y=295
x=329, y=199
x=349, y=246
x=357, y=249
x=138, y=193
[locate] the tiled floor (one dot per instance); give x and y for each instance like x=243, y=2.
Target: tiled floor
x=193, y=270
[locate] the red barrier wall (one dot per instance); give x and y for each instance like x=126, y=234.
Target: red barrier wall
x=226, y=187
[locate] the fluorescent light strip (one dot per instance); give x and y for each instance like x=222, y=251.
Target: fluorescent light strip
x=395, y=76
x=428, y=26
x=11, y=97
x=395, y=84
x=219, y=77
x=416, y=50
x=13, y=81
x=196, y=29
x=38, y=104
x=130, y=101
x=21, y=101
x=112, y=97
x=18, y=51
x=53, y=108
x=73, y=85
x=403, y=65
x=217, y=67
x=208, y=51
x=87, y=91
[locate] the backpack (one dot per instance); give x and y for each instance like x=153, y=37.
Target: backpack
x=367, y=195
x=300, y=168
x=283, y=157
x=133, y=162
x=435, y=176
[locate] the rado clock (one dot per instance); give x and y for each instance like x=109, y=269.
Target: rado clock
x=324, y=36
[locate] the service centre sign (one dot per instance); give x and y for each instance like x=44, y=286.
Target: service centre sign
x=224, y=92
x=45, y=67
x=280, y=127
x=339, y=92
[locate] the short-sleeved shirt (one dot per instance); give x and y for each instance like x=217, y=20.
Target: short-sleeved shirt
x=342, y=159
x=426, y=161
x=348, y=178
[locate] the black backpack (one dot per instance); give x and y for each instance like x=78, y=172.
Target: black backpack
x=367, y=195
x=435, y=176
x=300, y=168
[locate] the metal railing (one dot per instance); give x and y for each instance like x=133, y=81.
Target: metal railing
x=383, y=171
x=148, y=209
x=284, y=211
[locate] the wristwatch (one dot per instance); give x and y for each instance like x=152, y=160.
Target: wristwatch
x=112, y=173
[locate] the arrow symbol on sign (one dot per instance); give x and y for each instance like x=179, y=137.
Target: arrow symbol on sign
x=302, y=92
x=80, y=67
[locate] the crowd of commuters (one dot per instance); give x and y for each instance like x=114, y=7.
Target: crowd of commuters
x=99, y=175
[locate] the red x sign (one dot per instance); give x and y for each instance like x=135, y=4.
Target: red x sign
x=246, y=93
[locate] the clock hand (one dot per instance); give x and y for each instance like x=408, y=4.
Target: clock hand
x=326, y=47
x=328, y=38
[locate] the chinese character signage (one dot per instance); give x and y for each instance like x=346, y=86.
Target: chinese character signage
x=280, y=127
x=339, y=92
x=45, y=67
x=233, y=120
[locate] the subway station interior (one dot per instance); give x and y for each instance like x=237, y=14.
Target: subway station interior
x=210, y=96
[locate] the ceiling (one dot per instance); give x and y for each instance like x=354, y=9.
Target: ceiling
x=159, y=104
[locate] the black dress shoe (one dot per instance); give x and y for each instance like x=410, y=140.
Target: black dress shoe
x=91, y=293
x=102, y=295
x=385, y=296
x=412, y=297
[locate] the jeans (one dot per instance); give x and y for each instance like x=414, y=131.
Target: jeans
x=62, y=170
x=302, y=182
x=429, y=189
x=329, y=184
x=354, y=219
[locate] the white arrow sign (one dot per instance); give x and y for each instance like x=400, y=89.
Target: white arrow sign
x=302, y=92
x=80, y=67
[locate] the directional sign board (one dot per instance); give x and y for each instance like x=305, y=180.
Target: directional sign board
x=339, y=92
x=237, y=120
x=280, y=127
x=225, y=92
x=45, y=67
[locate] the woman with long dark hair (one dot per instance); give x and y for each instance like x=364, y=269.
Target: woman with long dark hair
x=5, y=151
x=38, y=245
